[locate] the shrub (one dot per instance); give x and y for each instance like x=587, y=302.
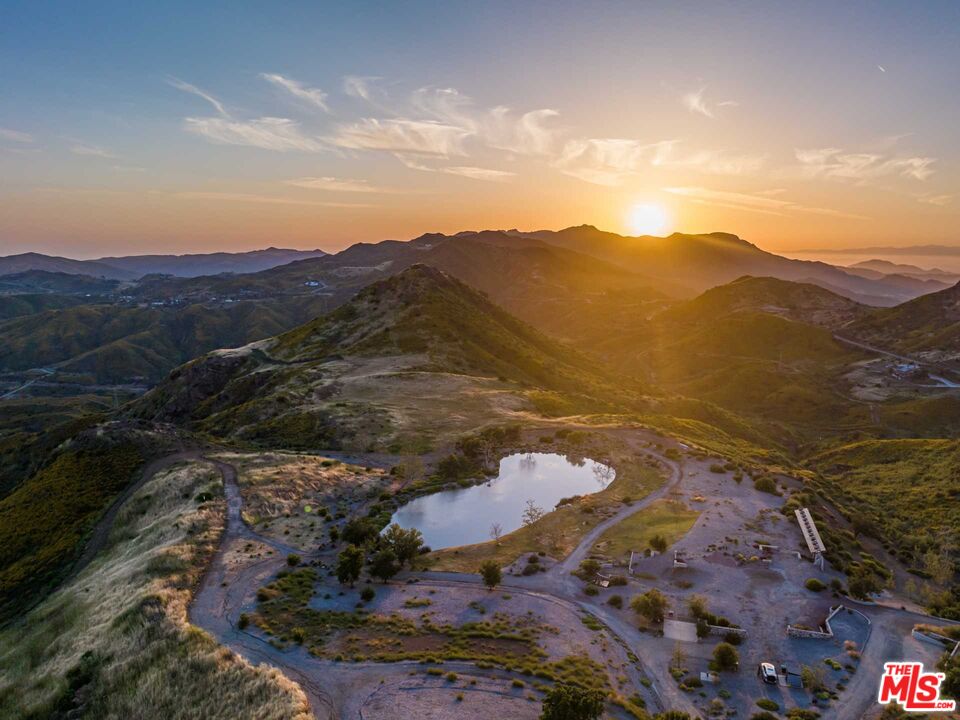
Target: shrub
x=618, y=581
x=814, y=585
x=293, y=559
x=658, y=543
x=717, y=468
x=518, y=683
x=591, y=590
x=726, y=656
x=616, y=601
x=491, y=574
x=768, y=704
x=733, y=638
x=367, y=594
x=451, y=677
x=767, y=485
x=652, y=605
x=244, y=621
x=569, y=702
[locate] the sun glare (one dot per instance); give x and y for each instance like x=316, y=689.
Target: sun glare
x=647, y=219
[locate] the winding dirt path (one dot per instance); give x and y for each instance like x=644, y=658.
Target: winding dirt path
x=339, y=690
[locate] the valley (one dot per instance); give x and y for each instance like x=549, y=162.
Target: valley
x=218, y=481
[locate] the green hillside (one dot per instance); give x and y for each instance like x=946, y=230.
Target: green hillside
x=930, y=322
x=384, y=364
x=117, y=344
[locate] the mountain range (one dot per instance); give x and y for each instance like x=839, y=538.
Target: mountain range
x=131, y=267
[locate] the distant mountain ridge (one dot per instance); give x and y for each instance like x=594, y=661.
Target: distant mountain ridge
x=131, y=267
x=706, y=260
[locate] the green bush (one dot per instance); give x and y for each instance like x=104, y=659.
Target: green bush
x=766, y=484
x=368, y=594
x=767, y=704
x=814, y=585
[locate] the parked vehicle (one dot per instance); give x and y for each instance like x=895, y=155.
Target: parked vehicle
x=767, y=672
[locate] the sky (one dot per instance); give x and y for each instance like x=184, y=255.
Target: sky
x=195, y=127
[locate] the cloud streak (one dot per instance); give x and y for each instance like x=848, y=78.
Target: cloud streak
x=312, y=96
x=837, y=164
x=766, y=202
x=696, y=102
x=333, y=184
x=267, y=133
x=194, y=90
x=612, y=161
x=91, y=151
x=420, y=137
x=15, y=136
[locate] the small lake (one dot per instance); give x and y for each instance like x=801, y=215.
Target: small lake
x=464, y=516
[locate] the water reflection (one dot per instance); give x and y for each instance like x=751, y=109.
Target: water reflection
x=466, y=515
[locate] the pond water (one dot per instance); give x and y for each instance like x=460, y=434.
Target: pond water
x=464, y=516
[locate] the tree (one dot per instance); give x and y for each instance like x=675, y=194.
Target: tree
x=697, y=605
x=384, y=565
x=496, y=532
x=405, y=544
x=490, y=572
x=939, y=566
x=658, y=543
x=726, y=656
x=533, y=513
x=359, y=531
x=569, y=702
x=349, y=564
x=863, y=583
x=679, y=658
x=814, y=678
x=413, y=469
x=652, y=605
x=950, y=667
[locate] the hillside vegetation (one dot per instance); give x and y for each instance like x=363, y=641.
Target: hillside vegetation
x=115, y=640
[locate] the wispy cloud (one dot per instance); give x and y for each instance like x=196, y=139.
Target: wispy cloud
x=194, y=90
x=359, y=87
x=938, y=200
x=529, y=134
x=696, y=102
x=265, y=199
x=333, y=184
x=765, y=202
x=611, y=161
x=479, y=173
x=422, y=137
x=313, y=96
x=835, y=163
x=268, y=133
x=467, y=171
x=91, y=151
x=15, y=136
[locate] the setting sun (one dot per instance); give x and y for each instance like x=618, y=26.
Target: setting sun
x=647, y=219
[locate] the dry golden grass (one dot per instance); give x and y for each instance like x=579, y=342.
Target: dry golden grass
x=283, y=493
x=558, y=532
x=128, y=612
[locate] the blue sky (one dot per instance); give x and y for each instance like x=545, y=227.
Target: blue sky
x=127, y=128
